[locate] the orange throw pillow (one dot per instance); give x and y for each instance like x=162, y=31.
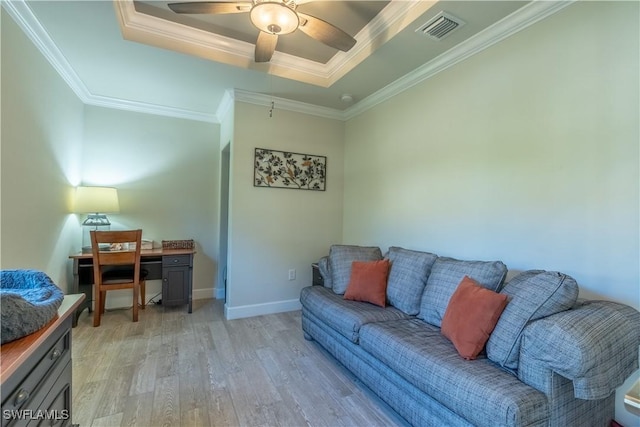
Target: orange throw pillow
x=368, y=282
x=471, y=315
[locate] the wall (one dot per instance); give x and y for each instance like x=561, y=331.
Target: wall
x=165, y=169
x=40, y=160
x=273, y=230
x=166, y=172
x=526, y=152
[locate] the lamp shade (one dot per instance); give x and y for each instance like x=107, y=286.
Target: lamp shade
x=97, y=199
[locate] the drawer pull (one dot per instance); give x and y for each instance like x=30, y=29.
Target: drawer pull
x=22, y=396
x=56, y=354
x=175, y=260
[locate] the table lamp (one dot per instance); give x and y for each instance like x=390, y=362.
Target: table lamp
x=96, y=202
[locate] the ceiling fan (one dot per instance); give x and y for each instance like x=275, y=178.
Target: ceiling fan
x=273, y=18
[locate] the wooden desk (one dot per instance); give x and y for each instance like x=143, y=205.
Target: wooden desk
x=173, y=266
x=35, y=370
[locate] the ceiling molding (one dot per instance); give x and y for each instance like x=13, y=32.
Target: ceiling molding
x=506, y=27
x=517, y=21
x=286, y=104
x=151, y=30
x=144, y=107
x=28, y=22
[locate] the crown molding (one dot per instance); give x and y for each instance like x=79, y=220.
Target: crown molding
x=286, y=104
x=515, y=22
x=506, y=27
x=28, y=22
x=151, y=30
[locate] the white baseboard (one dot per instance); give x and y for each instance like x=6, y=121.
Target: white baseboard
x=242, y=311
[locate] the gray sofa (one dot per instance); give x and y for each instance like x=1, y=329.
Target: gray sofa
x=550, y=361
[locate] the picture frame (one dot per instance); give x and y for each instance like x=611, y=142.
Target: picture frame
x=286, y=169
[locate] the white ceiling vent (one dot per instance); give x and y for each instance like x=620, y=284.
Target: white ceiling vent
x=440, y=26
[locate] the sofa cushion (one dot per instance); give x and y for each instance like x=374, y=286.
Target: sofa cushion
x=477, y=390
x=444, y=278
x=533, y=294
x=340, y=259
x=345, y=317
x=408, y=277
x=471, y=315
x=368, y=282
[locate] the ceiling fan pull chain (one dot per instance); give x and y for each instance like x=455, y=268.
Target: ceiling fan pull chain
x=271, y=109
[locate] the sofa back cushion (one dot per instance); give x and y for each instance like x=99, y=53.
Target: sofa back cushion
x=533, y=294
x=340, y=259
x=444, y=278
x=408, y=278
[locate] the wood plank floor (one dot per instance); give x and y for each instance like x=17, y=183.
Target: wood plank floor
x=177, y=369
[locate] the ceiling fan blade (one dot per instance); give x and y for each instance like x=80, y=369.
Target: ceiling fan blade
x=211, y=7
x=265, y=46
x=326, y=33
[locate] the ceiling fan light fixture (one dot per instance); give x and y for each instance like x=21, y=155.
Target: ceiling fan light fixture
x=274, y=17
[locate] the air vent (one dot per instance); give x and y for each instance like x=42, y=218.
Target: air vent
x=440, y=26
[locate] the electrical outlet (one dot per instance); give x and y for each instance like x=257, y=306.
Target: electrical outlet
x=292, y=274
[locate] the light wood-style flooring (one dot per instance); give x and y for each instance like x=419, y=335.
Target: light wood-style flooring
x=177, y=369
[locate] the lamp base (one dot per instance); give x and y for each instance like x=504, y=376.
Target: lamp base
x=86, y=236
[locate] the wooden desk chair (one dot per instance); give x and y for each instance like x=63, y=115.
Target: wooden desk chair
x=116, y=269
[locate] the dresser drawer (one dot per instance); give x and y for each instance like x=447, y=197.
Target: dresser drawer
x=54, y=404
x=176, y=260
x=24, y=395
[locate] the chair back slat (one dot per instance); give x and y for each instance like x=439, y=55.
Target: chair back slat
x=105, y=258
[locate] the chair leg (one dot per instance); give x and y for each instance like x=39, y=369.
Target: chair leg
x=136, y=290
x=103, y=300
x=96, y=310
x=143, y=294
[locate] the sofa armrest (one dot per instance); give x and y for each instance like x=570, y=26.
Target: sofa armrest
x=595, y=345
x=323, y=267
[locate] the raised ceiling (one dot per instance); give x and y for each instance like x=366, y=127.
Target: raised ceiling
x=91, y=44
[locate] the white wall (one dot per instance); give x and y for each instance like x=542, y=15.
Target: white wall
x=166, y=172
x=273, y=230
x=527, y=153
x=41, y=153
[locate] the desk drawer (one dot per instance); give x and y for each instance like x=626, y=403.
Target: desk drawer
x=176, y=260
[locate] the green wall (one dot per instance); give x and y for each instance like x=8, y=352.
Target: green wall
x=527, y=153
x=273, y=230
x=40, y=159
x=166, y=171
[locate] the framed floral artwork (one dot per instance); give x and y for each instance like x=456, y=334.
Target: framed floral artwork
x=284, y=169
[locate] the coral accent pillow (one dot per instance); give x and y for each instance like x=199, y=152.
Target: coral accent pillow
x=368, y=282
x=471, y=315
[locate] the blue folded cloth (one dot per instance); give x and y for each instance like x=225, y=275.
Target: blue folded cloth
x=28, y=301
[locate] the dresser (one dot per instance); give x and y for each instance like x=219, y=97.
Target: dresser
x=35, y=373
